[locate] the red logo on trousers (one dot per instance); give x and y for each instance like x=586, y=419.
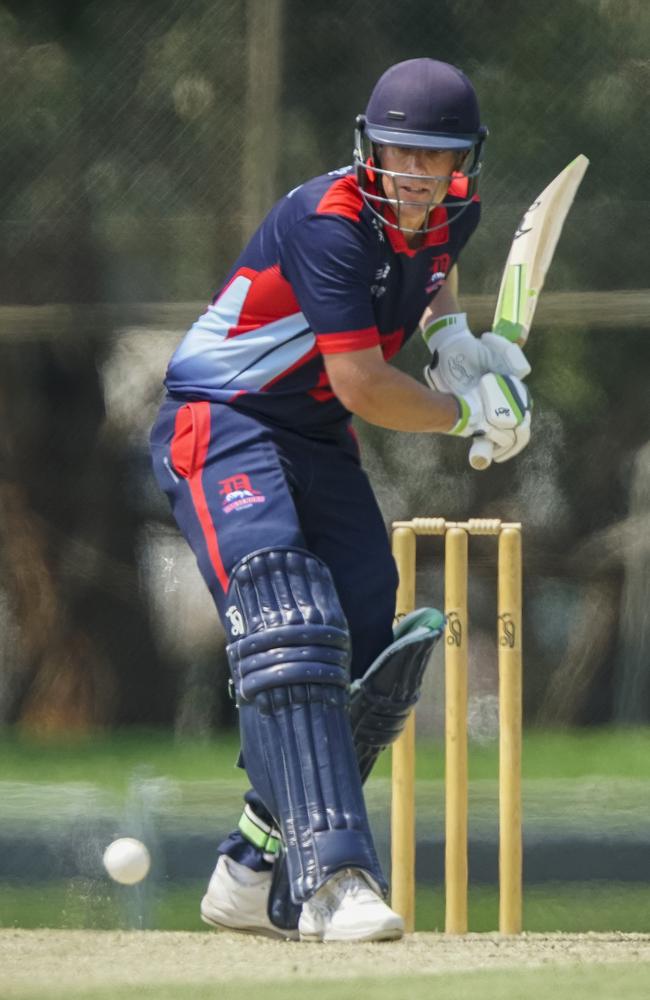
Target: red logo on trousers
x=238, y=492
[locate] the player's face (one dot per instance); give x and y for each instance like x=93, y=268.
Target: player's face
x=431, y=168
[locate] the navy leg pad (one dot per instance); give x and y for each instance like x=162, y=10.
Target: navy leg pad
x=380, y=704
x=290, y=671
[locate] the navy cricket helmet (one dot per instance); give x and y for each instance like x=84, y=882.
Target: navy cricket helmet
x=424, y=104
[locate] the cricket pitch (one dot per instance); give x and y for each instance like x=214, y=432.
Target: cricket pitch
x=78, y=964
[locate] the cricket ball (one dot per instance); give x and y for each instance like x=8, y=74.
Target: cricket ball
x=127, y=860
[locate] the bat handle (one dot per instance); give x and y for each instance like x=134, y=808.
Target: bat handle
x=480, y=454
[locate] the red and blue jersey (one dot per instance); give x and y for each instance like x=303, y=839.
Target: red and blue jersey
x=320, y=275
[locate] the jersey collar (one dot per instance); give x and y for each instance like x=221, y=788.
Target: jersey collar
x=396, y=238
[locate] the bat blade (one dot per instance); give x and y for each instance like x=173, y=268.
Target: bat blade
x=532, y=250
x=528, y=261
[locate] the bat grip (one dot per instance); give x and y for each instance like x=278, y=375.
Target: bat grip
x=480, y=454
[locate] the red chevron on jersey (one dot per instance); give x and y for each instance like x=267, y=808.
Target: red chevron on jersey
x=269, y=298
x=322, y=392
x=321, y=275
x=343, y=198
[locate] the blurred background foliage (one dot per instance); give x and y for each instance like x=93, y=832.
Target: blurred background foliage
x=140, y=145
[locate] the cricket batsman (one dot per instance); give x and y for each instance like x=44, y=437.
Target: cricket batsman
x=254, y=448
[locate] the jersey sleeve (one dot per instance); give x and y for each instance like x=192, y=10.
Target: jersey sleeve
x=325, y=260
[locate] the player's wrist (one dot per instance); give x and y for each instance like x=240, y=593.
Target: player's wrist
x=454, y=413
x=442, y=329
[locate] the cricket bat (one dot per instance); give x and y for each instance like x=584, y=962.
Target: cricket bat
x=528, y=261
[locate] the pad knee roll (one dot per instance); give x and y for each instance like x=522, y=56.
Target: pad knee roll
x=286, y=623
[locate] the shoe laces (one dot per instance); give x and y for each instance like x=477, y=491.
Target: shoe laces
x=347, y=883
x=352, y=883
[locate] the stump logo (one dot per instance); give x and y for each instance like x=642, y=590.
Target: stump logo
x=238, y=493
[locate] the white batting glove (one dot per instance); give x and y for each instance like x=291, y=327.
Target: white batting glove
x=459, y=359
x=498, y=409
x=518, y=439
x=508, y=432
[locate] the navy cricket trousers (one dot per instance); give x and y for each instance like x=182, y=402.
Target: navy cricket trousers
x=237, y=484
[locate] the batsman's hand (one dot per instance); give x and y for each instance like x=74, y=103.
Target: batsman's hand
x=459, y=359
x=496, y=413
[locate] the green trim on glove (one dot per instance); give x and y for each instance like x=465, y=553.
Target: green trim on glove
x=505, y=388
x=438, y=325
x=429, y=618
x=463, y=420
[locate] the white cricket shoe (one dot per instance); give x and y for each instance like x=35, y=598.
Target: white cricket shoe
x=347, y=908
x=236, y=900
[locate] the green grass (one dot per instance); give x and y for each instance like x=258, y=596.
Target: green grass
x=578, y=982
x=75, y=903
x=606, y=765
x=98, y=905
x=109, y=760
x=606, y=752
x=573, y=907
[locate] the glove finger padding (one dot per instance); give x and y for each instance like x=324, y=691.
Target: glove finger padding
x=459, y=359
x=519, y=438
x=502, y=356
x=506, y=401
x=497, y=405
x=507, y=406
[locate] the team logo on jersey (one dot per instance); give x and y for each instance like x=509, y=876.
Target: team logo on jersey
x=238, y=493
x=439, y=268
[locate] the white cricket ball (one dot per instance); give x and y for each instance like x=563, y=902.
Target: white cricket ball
x=127, y=860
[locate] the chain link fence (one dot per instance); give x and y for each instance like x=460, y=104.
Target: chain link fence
x=141, y=144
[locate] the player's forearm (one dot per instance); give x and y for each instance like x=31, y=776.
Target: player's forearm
x=389, y=398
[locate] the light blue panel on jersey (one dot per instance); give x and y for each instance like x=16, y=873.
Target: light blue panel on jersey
x=208, y=357
x=289, y=661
